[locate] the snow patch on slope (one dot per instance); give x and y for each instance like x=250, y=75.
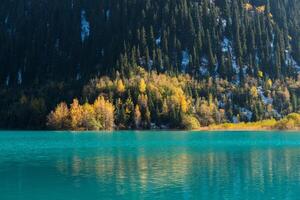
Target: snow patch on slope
x=20, y=79
x=158, y=40
x=7, y=80
x=266, y=100
x=107, y=14
x=290, y=61
x=85, y=26
x=226, y=47
x=185, y=60
x=204, y=66
x=247, y=113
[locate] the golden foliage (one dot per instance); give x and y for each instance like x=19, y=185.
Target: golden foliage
x=190, y=122
x=261, y=9
x=260, y=74
x=248, y=6
x=270, y=15
x=166, y=101
x=253, y=92
x=104, y=114
x=120, y=86
x=98, y=116
x=208, y=113
x=59, y=118
x=292, y=121
x=76, y=113
x=142, y=86
x=269, y=83
x=137, y=116
x=183, y=104
x=261, y=125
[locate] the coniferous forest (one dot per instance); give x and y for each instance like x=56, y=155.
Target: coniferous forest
x=141, y=64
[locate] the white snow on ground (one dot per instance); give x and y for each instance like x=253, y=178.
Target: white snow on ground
x=203, y=67
x=224, y=23
x=247, y=113
x=216, y=69
x=57, y=43
x=290, y=61
x=225, y=45
x=221, y=104
x=158, y=40
x=257, y=60
x=85, y=26
x=276, y=113
x=266, y=100
x=235, y=120
x=107, y=13
x=227, y=48
x=272, y=43
x=235, y=65
x=150, y=64
x=185, y=60
x=229, y=95
x=78, y=75
x=204, y=61
x=6, y=19
x=20, y=79
x=7, y=80
x=203, y=71
x=245, y=68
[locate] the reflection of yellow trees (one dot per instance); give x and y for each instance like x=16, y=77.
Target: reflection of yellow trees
x=119, y=168
x=147, y=168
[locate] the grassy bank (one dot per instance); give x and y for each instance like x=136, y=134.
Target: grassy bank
x=290, y=122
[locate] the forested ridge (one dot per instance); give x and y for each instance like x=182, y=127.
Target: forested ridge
x=231, y=60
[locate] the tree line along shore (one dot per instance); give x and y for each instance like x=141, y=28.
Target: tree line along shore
x=151, y=100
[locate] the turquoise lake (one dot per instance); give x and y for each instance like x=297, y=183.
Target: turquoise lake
x=149, y=165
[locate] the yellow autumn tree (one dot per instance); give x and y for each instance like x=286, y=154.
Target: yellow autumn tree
x=137, y=116
x=248, y=6
x=260, y=74
x=59, y=119
x=142, y=86
x=269, y=83
x=88, y=119
x=76, y=115
x=261, y=9
x=183, y=104
x=120, y=86
x=253, y=92
x=104, y=114
x=190, y=122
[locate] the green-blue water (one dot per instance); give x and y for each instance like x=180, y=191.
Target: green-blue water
x=149, y=165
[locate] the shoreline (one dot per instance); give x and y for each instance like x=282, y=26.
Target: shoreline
x=244, y=129
x=202, y=129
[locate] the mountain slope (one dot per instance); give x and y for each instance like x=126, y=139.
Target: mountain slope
x=50, y=49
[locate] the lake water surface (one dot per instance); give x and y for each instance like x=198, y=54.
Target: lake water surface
x=149, y=165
